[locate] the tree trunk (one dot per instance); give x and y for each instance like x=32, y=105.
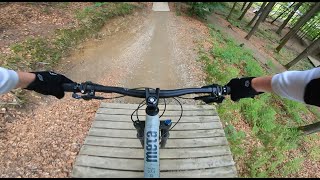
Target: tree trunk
x=245, y=11
x=282, y=13
x=244, y=4
x=234, y=5
x=296, y=27
x=310, y=129
x=264, y=13
x=269, y=10
x=288, y=18
x=257, y=14
x=304, y=54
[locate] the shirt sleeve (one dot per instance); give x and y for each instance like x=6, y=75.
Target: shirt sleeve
x=292, y=84
x=8, y=80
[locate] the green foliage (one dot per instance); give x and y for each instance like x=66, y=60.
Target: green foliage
x=294, y=109
x=235, y=138
x=33, y=51
x=315, y=111
x=276, y=138
x=202, y=9
x=253, y=68
x=227, y=110
x=292, y=166
x=219, y=77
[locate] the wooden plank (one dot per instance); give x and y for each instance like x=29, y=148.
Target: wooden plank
x=314, y=61
x=128, y=153
x=119, y=133
x=171, y=143
x=197, y=146
x=90, y=172
x=161, y=107
x=167, y=113
x=179, y=126
x=127, y=118
x=166, y=164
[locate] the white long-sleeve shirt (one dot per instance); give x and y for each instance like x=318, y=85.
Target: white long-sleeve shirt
x=292, y=84
x=8, y=80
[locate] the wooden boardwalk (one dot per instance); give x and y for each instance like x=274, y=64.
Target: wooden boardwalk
x=197, y=146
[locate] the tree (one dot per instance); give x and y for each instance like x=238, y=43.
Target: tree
x=286, y=10
x=268, y=12
x=264, y=13
x=306, y=28
x=257, y=14
x=288, y=18
x=244, y=4
x=304, y=54
x=245, y=11
x=306, y=17
x=234, y=5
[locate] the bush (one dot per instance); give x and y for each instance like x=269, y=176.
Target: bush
x=201, y=9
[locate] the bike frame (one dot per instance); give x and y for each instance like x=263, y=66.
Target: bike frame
x=151, y=147
x=148, y=132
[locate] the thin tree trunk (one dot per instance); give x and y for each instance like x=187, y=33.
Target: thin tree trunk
x=245, y=11
x=264, y=19
x=300, y=23
x=304, y=54
x=234, y=5
x=310, y=129
x=264, y=13
x=288, y=18
x=282, y=13
x=244, y=4
x=257, y=14
x=305, y=31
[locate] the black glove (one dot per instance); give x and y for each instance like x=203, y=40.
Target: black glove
x=241, y=88
x=49, y=83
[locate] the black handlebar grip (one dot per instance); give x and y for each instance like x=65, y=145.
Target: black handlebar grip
x=70, y=87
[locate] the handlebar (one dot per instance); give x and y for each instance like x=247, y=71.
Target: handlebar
x=87, y=87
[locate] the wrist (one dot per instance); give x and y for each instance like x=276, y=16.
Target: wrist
x=262, y=84
x=25, y=78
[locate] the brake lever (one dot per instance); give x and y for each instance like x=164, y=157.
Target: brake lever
x=86, y=97
x=210, y=99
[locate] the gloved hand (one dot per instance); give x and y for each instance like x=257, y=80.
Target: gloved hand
x=241, y=88
x=49, y=83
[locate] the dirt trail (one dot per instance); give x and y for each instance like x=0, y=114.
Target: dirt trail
x=144, y=55
x=148, y=48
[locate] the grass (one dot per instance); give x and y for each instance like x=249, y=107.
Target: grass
x=34, y=54
x=269, y=36
x=269, y=117
x=44, y=53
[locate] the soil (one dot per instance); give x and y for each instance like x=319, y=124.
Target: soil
x=43, y=139
x=146, y=48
